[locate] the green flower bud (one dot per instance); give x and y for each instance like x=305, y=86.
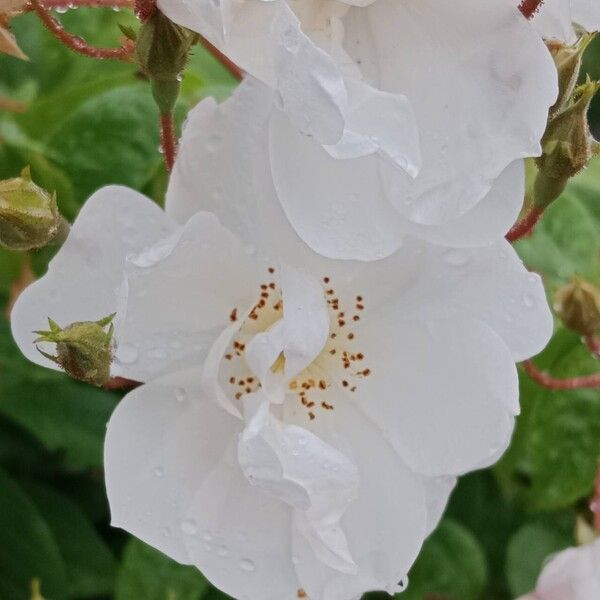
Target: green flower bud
x=29, y=216
x=578, y=306
x=84, y=349
x=567, y=145
x=162, y=51
x=568, y=64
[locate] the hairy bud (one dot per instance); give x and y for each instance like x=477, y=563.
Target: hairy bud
x=83, y=349
x=568, y=61
x=568, y=145
x=578, y=306
x=162, y=51
x=29, y=216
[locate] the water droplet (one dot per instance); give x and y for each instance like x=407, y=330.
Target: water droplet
x=61, y=10
x=157, y=353
x=180, y=395
x=247, y=565
x=159, y=472
x=279, y=101
x=528, y=300
x=189, y=527
x=127, y=354
x=456, y=258
x=291, y=40
x=223, y=551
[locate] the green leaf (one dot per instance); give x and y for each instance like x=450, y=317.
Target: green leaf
x=553, y=459
x=148, y=574
x=63, y=414
x=89, y=563
x=451, y=564
x=111, y=138
x=28, y=549
x=527, y=551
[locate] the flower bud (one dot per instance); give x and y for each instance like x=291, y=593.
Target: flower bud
x=568, y=145
x=84, y=349
x=578, y=306
x=162, y=51
x=568, y=61
x=29, y=216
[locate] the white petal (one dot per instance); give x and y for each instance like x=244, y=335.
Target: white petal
x=295, y=466
x=553, y=21
x=572, y=574
x=437, y=490
x=181, y=300
x=162, y=441
x=490, y=284
x=385, y=525
x=378, y=122
x=485, y=223
x=443, y=392
x=85, y=280
x=586, y=13
x=306, y=319
x=243, y=539
x=337, y=207
x=480, y=104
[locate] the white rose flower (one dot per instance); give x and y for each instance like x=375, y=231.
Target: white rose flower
x=573, y=574
x=556, y=19
x=304, y=419
x=351, y=74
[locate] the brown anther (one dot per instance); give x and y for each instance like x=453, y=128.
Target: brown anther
x=360, y=307
x=326, y=279
x=332, y=351
x=232, y=380
x=327, y=406
x=310, y=404
x=248, y=390
x=330, y=292
x=271, y=270
x=301, y=593
x=356, y=318
x=233, y=315
x=264, y=286
x=366, y=372
x=360, y=356
x=359, y=298
x=350, y=336
x=238, y=395
x=228, y=356
x=311, y=416
x=323, y=384
x=345, y=383
x=353, y=388
x=293, y=385
x=341, y=322
x=250, y=379
x=333, y=336
x=272, y=285
x=264, y=294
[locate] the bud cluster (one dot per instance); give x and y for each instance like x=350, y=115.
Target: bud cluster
x=578, y=306
x=162, y=51
x=568, y=144
x=83, y=349
x=29, y=217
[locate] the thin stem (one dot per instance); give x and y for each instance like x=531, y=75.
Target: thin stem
x=572, y=383
x=529, y=8
x=168, y=140
x=12, y=105
x=595, y=501
x=526, y=225
x=52, y=4
x=76, y=43
x=226, y=62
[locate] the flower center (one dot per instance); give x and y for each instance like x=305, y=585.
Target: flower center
x=340, y=365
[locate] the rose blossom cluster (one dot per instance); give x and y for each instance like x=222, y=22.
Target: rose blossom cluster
x=326, y=316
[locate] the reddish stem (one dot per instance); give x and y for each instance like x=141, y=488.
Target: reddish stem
x=226, y=62
x=168, y=140
x=53, y=4
x=143, y=9
x=526, y=225
x=76, y=43
x=529, y=8
x=595, y=501
x=572, y=383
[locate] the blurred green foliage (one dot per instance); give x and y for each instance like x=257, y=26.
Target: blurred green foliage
x=87, y=124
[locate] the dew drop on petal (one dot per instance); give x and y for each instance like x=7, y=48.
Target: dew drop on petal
x=222, y=551
x=189, y=527
x=247, y=565
x=456, y=258
x=180, y=395
x=528, y=300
